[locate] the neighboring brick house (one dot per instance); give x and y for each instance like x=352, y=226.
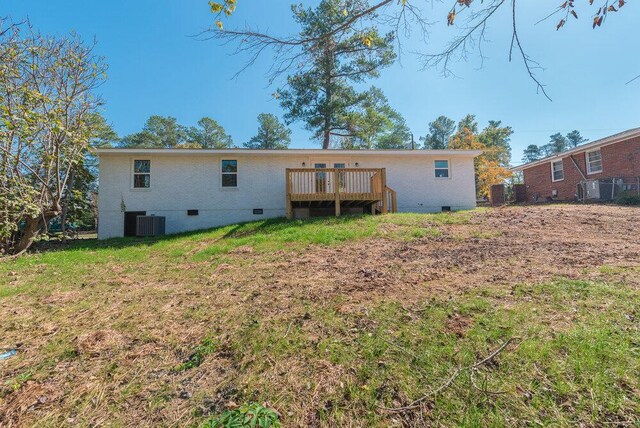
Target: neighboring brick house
x=596, y=170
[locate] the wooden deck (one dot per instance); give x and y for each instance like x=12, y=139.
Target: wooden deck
x=339, y=187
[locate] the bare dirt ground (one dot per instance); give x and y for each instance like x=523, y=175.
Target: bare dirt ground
x=99, y=349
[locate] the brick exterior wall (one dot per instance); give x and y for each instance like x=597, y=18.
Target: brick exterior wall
x=618, y=160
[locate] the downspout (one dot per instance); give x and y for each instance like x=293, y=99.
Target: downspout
x=584, y=177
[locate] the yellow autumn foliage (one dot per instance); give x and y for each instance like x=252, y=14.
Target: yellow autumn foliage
x=488, y=170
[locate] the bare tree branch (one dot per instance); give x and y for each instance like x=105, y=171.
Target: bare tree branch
x=528, y=62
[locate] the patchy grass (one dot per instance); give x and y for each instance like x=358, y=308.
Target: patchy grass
x=328, y=322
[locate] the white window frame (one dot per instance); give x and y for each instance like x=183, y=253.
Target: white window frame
x=448, y=177
x=553, y=178
x=134, y=173
x=586, y=161
x=222, y=173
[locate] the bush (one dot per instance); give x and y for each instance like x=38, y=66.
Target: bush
x=247, y=415
x=628, y=199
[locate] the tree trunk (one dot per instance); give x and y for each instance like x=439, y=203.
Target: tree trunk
x=326, y=132
x=65, y=207
x=31, y=230
x=326, y=141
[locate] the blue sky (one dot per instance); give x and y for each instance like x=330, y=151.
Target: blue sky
x=156, y=68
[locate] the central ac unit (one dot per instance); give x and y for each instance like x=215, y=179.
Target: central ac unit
x=150, y=225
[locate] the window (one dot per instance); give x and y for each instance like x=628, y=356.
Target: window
x=594, y=161
x=442, y=168
x=141, y=174
x=557, y=170
x=229, y=173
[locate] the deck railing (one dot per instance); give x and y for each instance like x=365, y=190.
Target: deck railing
x=317, y=184
x=338, y=185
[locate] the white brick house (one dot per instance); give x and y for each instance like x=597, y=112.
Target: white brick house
x=197, y=189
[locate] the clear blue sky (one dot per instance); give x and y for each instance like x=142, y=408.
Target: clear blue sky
x=156, y=68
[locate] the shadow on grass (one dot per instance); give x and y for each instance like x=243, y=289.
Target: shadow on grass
x=239, y=230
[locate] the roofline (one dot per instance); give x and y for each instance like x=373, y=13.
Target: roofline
x=612, y=139
x=406, y=152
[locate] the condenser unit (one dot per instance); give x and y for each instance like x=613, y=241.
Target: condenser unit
x=150, y=225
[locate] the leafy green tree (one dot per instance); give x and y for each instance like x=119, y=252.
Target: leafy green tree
x=496, y=140
x=557, y=144
x=158, y=132
x=398, y=137
x=209, y=134
x=440, y=130
x=574, y=139
x=321, y=95
x=375, y=124
x=469, y=122
x=271, y=134
x=47, y=110
x=532, y=153
x=79, y=205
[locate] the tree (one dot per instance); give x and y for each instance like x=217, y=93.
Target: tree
x=496, y=140
x=321, y=94
x=531, y=154
x=469, y=122
x=557, y=144
x=158, y=132
x=489, y=169
x=440, y=130
x=574, y=139
x=271, y=134
x=79, y=204
x=209, y=134
x=398, y=137
x=47, y=106
x=401, y=16
x=373, y=123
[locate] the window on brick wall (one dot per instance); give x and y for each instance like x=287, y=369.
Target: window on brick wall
x=594, y=161
x=441, y=168
x=557, y=170
x=229, y=173
x=141, y=174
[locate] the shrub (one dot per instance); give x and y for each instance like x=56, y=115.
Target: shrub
x=628, y=199
x=247, y=415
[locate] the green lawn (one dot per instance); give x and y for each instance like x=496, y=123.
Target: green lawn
x=326, y=321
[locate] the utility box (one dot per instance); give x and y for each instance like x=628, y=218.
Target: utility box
x=592, y=189
x=150, y=225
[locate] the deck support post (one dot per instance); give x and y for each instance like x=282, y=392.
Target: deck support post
x=383, y=178
x=336, y=190
x=288, y=197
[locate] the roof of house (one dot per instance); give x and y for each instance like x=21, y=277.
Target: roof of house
x=418, y=152
x=612, y=139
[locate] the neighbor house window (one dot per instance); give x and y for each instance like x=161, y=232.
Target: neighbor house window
x=229, y=173
x=557, y=171
x=141, y=174
x=442, y=168
x=594, y=162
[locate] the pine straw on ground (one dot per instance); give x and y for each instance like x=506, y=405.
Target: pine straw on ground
x=104, y=346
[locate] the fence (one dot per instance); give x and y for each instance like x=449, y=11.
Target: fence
x=608, y=189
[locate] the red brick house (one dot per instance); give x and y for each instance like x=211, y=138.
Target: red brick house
x=599, y=170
